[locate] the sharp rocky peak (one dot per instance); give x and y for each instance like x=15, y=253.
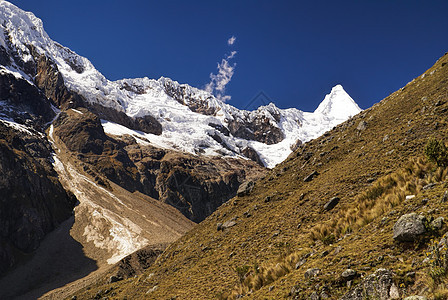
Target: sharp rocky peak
x=214, y=127
x=338, y=104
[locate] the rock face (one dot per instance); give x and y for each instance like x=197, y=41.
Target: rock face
x=251, y=154
x=245, y=188
x=137, y=262
x=51, y=82
x=331, y=203
x=260, y=128
x=146, y=124
x=82, y=133
x=32, y=201
x=374, y=286
x=26, y=99
x=310, y=176
x=194, y=185
x=251, y=126
x=409, y=227
x=185, y=96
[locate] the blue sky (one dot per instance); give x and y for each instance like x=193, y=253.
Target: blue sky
x=293, y=51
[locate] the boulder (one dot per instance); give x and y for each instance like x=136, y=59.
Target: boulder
x=409, y=227
x=331, y=204
x=429, y=186
x=296, y=145
x=375, y=286
x=348, y=274
x=314, y=296
x=362, y=126
x=115, y=278
x=310, y=176
x=219, y=226
x=300, y=263
x=310, y=273
x=228, y=224
x=437, y=224
x=245, y=188
x=394, y=293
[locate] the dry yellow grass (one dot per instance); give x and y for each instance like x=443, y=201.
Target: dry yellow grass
x=285, y=210
x=257, y=277
x=386, y=193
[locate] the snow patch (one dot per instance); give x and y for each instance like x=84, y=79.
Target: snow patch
x=79, y=112
x=168, y=101
x=19, y=127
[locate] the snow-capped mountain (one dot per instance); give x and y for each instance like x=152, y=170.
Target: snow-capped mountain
x=191, y=120
x=118, y=165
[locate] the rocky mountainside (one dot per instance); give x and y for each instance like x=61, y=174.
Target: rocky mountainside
x=107, y=165
x=163, y=110
x=358, y=213
x=33, y=201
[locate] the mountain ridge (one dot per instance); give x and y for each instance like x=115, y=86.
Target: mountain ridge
x=154, y=102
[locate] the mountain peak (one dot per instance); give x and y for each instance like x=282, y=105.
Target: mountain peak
x=177, y=108
x=338, y=104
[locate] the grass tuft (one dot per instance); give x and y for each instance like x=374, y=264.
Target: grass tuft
x=388, y=192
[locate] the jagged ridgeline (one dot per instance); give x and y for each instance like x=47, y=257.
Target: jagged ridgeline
x=108, y=165
x=358, y=213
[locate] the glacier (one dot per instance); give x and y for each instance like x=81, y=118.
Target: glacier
x=189, y=116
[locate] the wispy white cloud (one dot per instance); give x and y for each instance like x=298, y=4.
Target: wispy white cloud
x=218, y=82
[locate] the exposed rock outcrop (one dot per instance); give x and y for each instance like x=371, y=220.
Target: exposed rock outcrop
x=82, y=133
x=195, y=185
x=331, y=203
x=375, y=286
x=260, y=128
x=245, y=188
x=147, y=124
x=32, y=201
x=182, y=94
x=409, y=227
x=137, y=262
x=251, y=154
x=50, y=80
x=25, y=98
x=257, y=125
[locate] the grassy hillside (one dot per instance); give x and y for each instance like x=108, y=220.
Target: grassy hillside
x=371, y=162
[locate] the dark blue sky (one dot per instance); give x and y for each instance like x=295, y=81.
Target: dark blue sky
x=294, y=51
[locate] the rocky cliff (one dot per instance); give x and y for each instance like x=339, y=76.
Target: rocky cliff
x=33, y=202
x=194, y=185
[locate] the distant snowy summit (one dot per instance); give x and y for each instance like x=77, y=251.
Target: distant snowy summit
x=338, y=104
x=167, y=114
